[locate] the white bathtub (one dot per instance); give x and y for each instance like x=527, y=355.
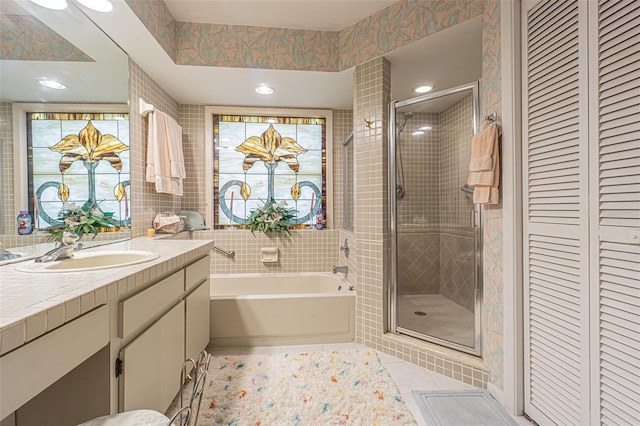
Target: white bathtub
x=281, y=309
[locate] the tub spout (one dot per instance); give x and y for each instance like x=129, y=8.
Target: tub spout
x=343, y=269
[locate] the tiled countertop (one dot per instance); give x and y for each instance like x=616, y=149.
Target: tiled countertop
x=32, y=304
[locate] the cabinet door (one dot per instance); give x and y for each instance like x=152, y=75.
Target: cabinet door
x=556, y=216
x=151, y=364
x=616, y=198
x=197, y=320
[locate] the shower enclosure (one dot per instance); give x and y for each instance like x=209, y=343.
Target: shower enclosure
x=436, y=279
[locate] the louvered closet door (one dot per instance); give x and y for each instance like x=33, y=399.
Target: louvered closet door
x=619, y=211
x=556, y=221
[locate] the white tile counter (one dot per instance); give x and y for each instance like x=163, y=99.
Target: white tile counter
x=32, y=304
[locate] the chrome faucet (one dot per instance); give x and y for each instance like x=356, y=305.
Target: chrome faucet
x=343, y=269
x=63, y=250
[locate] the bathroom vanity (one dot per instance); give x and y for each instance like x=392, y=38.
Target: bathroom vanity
x=77, y=345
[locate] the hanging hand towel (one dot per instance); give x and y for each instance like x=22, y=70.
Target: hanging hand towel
x=484, y=167
x=165, y=161
x=482, y=148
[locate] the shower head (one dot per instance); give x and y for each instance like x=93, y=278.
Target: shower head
x=407, y=116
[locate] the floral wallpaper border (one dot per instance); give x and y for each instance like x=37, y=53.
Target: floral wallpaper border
x=234, y=46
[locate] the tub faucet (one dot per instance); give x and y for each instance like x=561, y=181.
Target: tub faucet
x=343, y=269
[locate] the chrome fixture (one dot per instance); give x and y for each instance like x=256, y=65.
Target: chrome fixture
x=400, y=186
x=345, y=248
x=467, y=189
x=493, y=117
x=343, y=269
x=63, y=251
x=228, y=253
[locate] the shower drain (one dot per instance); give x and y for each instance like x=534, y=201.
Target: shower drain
x=420, y=313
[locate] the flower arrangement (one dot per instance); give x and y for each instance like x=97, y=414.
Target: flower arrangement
x=271, y=218
x=80, y=220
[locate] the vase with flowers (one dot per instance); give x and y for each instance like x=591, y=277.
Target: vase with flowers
x=271, y=218
x=80, y=220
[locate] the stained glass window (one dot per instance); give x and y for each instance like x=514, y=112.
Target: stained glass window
x=268, y=159
x=79, y=158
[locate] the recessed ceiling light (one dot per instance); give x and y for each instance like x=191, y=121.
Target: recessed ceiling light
x=52, y=84
x=424, y=88
x=424, y=128
x=418, y=133
x=97, y=5
x=264, y=90
x=51, y=4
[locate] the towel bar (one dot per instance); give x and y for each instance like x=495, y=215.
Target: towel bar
x=228, y=253
x=491, y=117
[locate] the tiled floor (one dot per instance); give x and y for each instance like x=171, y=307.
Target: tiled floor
x=407, y=376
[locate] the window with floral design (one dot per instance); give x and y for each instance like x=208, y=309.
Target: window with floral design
x=81, y=159
x=259, y=160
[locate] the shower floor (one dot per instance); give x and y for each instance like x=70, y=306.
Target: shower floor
x=445, y=319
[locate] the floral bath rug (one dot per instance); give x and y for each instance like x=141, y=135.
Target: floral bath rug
x=349, y=387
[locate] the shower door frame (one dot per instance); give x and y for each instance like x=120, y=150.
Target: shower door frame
x=392, y=278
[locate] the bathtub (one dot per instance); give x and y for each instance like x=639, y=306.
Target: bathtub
x=281, y=309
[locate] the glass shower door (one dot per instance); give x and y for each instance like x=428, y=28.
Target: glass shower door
x=436, y=280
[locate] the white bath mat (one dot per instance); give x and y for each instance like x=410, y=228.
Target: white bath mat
x=309, y=388
x=462, y=408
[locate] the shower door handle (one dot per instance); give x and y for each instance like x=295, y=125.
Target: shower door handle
x=473, y=219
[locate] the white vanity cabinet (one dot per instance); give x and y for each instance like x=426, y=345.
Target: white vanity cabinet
x=197, y=307
x=160, y=327
x=114, y=341
x=151, y=364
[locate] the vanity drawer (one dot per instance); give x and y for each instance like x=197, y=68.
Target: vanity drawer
x=144, y=306
x=196, y=273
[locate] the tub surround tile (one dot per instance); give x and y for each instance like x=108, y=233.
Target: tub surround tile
x=34, y=303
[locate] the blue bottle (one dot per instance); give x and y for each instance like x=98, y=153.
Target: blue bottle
x=25, y=223
x=319, y=219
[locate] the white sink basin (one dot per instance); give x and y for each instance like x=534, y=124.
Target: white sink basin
x=91, y=260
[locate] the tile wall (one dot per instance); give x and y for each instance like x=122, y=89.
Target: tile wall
x=456, y=236
x=371, y=102
x=303, y=251
x=145, y=202
x=7, y=212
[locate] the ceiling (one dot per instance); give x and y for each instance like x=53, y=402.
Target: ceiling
x=448, y=58
x=321, y=15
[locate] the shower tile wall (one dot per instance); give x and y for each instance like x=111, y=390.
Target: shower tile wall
x=435, y=243
x=456, y=237
x=419, y=210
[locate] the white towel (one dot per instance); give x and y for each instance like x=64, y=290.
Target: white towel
x=165, y=161
x=484, y=167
